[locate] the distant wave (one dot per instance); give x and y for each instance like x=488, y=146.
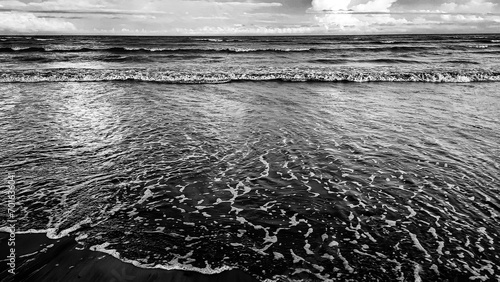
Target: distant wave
x=217, y=39
x=83, y=75
x=147, y=50
x=387, y=42
x=331, y=61
x=479, y=46
x=211, y=50
x=385, y=60
x=463, y=62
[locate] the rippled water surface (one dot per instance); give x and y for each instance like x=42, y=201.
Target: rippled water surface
x=306, y=181
x=424, y=58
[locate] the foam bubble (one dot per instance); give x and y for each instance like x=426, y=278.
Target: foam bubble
x=289, y=75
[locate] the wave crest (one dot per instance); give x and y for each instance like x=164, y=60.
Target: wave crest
x=74, y=75
x=147, y=50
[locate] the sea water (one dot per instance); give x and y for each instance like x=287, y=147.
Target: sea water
x=291, y=158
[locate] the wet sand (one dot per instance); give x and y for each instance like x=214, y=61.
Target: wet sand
x=39, y=258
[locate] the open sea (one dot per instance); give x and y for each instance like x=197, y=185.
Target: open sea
x=314, y=158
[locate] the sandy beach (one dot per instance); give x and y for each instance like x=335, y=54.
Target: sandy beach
x=42, y=259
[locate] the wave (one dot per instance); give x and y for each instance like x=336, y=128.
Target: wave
x=210, y=50
x=147, y=50
x=53, y=233
x=478, y=46
x=217, y=39
x=331, y=61
x=89, y=75
x=387, y=42
x=347, y=61
x=463, y=62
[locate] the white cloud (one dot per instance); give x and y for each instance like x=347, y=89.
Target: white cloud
x=17, y=22
x=472, y=6
x=254, y=30
x=375, y=6
x=246, y=16
x=330, y=5
x=338, y=21
x=67, y=5
x=462, y=18
x=12, y=4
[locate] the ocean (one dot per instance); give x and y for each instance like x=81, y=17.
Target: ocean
x=313, y=158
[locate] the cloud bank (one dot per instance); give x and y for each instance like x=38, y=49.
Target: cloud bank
x=234, y=17
x=18, y=22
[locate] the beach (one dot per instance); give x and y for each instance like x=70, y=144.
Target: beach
x=42, y=259
x=322, y=158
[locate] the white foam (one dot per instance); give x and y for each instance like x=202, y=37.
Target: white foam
x=324, y=236
x=435, y=268
x=217, y=77
x=364, y=254
x=54, y=233
x=318, y=267
x=278, y=256
x=417, y=243
x=309, y=231
x=433, y=232
x=416, y=272
x=307, y=248
x=333, y=243
x=296, y=258
x=147, y=194
x=345, y=262
x=6, y=229
x=81, y=237
x=390, y=223
x=294, y=221
x=412, y=212
x=440, y=247
x=482, y=230
x=398, y=268
x=328, y=256
x=173, y=265
x=370, y=237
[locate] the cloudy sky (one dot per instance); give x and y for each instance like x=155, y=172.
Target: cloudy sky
x=242, y=17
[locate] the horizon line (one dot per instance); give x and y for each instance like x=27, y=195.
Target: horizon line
x=243, y=35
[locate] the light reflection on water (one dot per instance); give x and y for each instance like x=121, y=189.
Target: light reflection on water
x=84, y=116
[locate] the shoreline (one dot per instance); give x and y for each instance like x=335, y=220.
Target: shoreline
x=40, y=259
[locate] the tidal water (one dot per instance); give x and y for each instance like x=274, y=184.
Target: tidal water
x=288, y=181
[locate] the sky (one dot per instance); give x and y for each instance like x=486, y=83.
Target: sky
x=248, y=17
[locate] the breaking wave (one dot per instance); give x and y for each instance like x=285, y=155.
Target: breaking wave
x=147, y=50
x=382, y=60
x=162, y=76
x=55, y=49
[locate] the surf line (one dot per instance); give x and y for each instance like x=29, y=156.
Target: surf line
x=11, y=222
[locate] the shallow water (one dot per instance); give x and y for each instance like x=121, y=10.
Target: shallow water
x=387, y=181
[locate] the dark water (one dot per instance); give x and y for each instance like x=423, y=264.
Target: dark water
x=388, y=181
